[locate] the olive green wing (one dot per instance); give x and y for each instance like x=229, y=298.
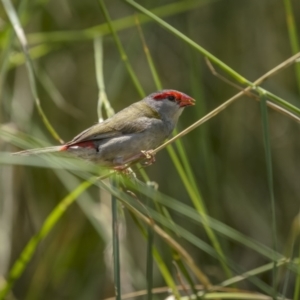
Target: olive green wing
x=129, y=120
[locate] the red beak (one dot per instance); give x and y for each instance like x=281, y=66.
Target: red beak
x=186, y=101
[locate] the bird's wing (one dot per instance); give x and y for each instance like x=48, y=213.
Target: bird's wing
x=129, y=120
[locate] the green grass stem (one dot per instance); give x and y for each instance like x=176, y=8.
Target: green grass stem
x=19, y=266
x=184, y=171
x=180, y=35
x=17, y=58
x=119, y=24
x=268, y=157
x=102, y=96
x=254, y=272
x=150, y=61
x=149, y=266
x=213, y=59
x=116, y=244
x=295, y=236
x=158, y=259
x=56, y=96
x=123, y=54
x=220, y=227
x=127, y=201
x=6, y=52
x=13, y=17
x=293, y=35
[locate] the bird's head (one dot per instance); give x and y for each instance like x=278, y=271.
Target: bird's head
x=169, y=103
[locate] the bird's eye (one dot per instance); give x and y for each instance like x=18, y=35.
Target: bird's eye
x=171, y=98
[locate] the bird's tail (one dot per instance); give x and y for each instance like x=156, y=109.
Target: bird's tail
x=38, y=151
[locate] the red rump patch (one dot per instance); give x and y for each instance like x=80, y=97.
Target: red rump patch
x=164, y=95
x=86, y=144
x=63, y=148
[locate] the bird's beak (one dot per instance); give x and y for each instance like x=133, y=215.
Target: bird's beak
x=186, y=101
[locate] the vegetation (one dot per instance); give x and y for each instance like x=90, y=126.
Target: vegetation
x=217, y=216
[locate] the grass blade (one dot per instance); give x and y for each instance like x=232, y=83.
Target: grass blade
x=218, y=226
x=158, y=258
x=127, y=201
x=167, y=26
x=26, y=255
x=119, y=24
x=102, y=97
x=116, y=245
x=149, y=266
x=214, y=59
x=184, y=170
x=121, y=50
x=293, y=35
x=13, y=17
x=266, y=137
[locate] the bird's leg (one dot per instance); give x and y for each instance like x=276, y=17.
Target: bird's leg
x=125, y=170
x=121, y=168
x=149, y=155
x=144, y=154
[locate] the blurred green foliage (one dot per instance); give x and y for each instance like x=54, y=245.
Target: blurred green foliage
x=226, y=154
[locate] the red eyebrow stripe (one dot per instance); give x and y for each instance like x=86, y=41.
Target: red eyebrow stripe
x=166, y=94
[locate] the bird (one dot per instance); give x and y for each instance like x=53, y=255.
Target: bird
x=128, y=135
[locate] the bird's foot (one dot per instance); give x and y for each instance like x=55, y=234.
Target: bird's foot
x=124, y=165
x=125, y=170
x=121, y=168
x=150, y=157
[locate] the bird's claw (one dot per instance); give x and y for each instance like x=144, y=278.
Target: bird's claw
x=150, y=156
x=125, y=170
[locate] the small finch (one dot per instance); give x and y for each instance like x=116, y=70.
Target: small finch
x=129, y=134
